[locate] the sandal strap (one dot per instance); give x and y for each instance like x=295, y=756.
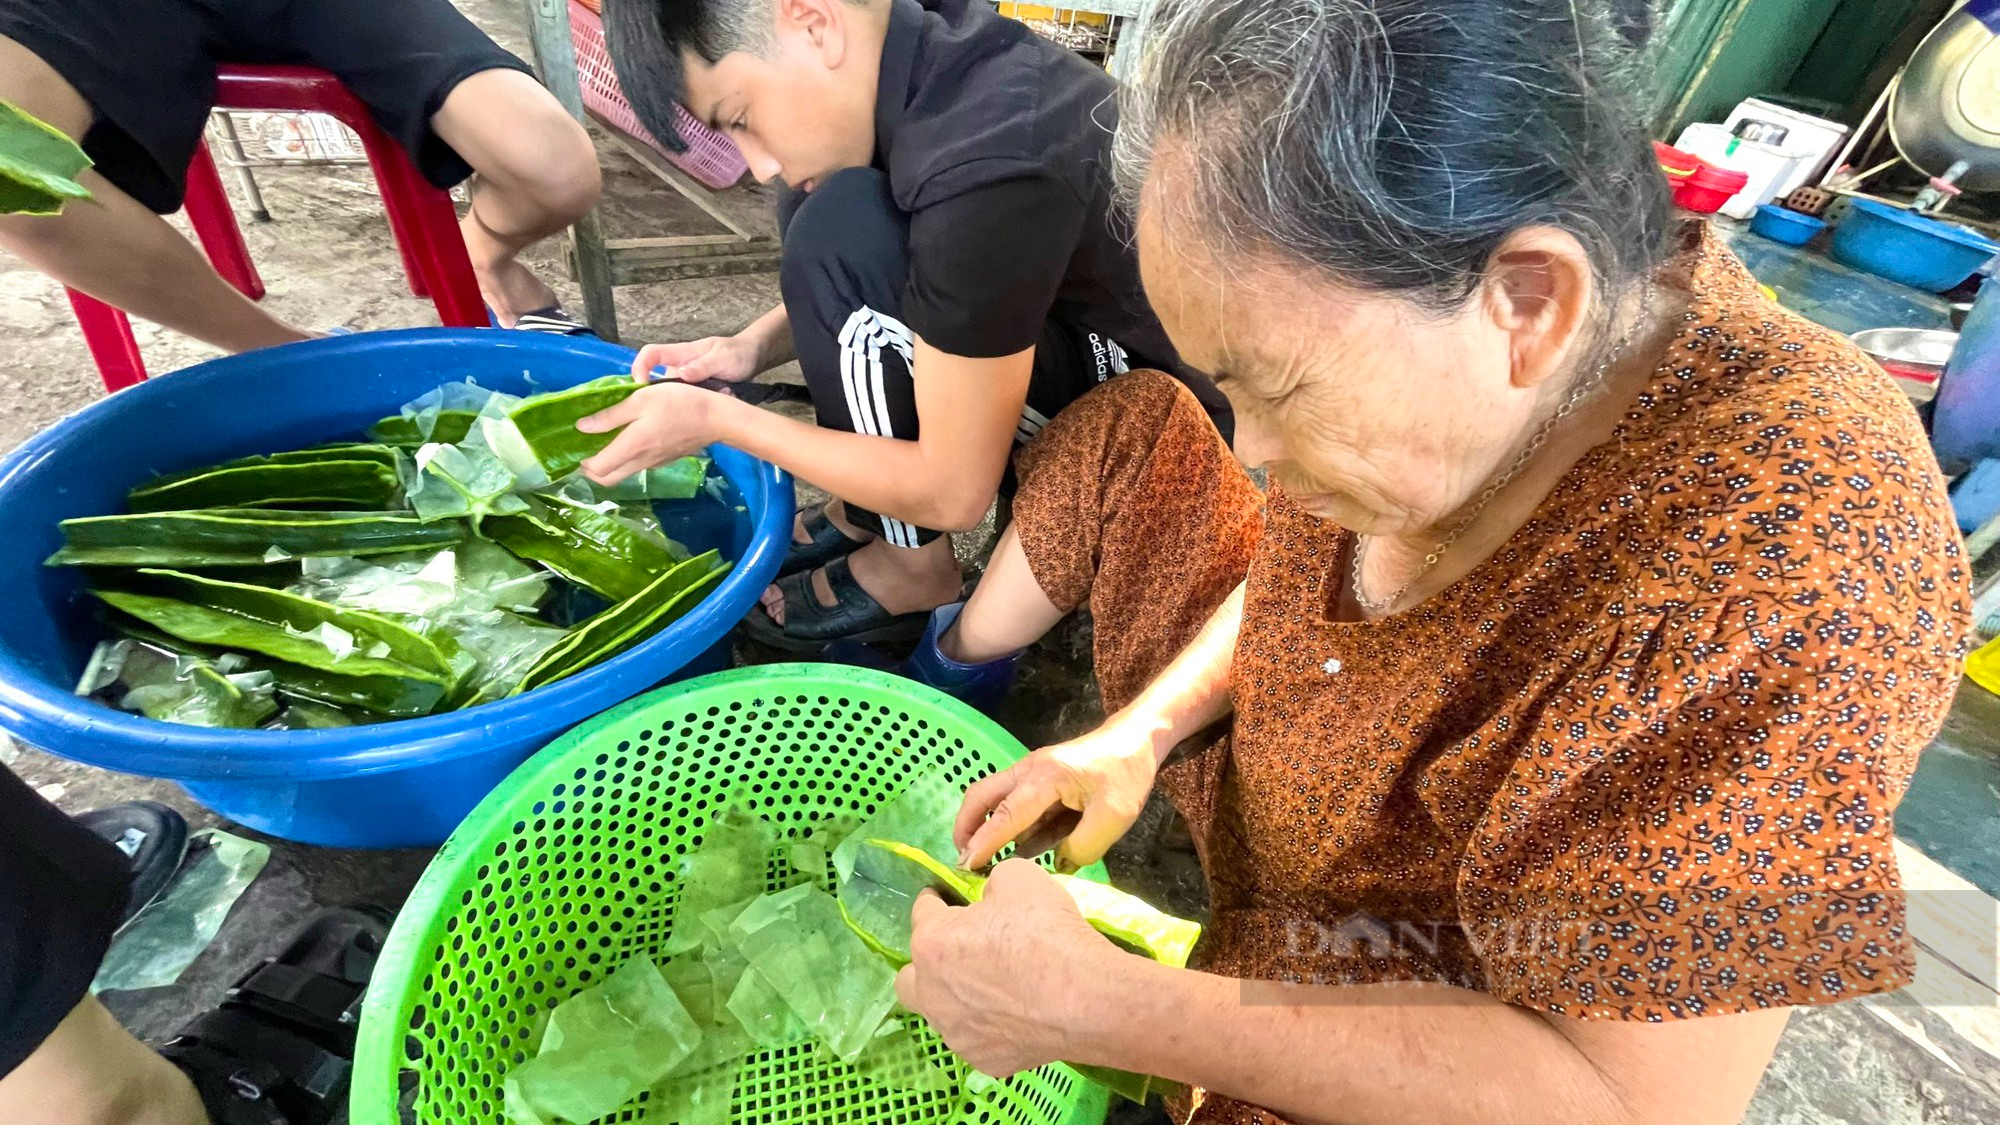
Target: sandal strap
x=854, y=609
x=250, y=1070
x=301, y=996
x=825, y=542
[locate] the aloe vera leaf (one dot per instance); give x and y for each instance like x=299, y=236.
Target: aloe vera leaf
x=385, y=696
x=547, y=423
x=463, y=481
x=308, y=714
x=447, y=426
x=243, y=537
x=357, y=484
x=277, y=623
x=629, y=622
x=1132, y=1087
x=727, y=867
x=39, y=165
x=602, y=553
x=675, y=480
x=384, y=455
x=837, y=986
x=603, y=1047
x=896, y=1057
x=1132, y=922
x=175, y=687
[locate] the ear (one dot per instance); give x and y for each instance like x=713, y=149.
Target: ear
x=819, y=25
x=1538, y=291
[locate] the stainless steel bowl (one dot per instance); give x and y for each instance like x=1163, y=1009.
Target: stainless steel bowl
x=1914, y=353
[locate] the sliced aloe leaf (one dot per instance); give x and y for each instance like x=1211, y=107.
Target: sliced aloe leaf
x=39, y=165
x=243, y=537
x=279, y=624
x=463, y=481
x=675, y=480
x=629, y=622
x=175, y=687
x=601, y=552
x=351, y=483
x=403, y=430
x=548, y=422
x=390, y=697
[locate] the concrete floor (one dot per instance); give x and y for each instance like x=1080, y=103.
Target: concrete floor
x=328, y=261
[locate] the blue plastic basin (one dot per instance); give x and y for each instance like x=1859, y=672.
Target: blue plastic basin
x=1919, y=252
x=401, y=784
x=1781, y=224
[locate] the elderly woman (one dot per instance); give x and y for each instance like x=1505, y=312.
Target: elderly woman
x=1539, y=729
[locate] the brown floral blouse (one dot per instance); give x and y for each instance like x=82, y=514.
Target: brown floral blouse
x=1641, y=763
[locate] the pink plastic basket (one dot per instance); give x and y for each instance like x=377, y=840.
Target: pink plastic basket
x=710, y=157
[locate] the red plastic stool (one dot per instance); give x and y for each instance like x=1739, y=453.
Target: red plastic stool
x=421, y=217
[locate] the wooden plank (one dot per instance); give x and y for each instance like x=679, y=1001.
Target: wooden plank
x=619, y=245
x=682, y=269
x=656, y=163
x=1956, y=921
x=555, y=59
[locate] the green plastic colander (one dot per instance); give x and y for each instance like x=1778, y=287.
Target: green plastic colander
x=565, y=872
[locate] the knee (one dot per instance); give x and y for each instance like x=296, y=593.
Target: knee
x=556, y=171
x=849, y=225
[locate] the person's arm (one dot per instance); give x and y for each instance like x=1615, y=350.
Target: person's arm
x=1086, y=793
x=1390, y=1054
x=1019, y=979
x=985, y=270
x=970, y=409
x=765, y=344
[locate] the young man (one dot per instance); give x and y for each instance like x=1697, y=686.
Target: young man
x=955, y=273
x=134, y=80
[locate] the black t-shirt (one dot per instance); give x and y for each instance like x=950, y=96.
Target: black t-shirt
x=997, y=142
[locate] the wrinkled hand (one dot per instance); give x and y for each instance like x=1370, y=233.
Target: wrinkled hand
x=728, y=358
x=1078, y=796
x=662, y=423
x=1000, y=980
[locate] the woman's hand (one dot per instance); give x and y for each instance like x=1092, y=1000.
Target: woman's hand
x=1080, y=796
x=732, y=359
x=661, y=423
x=1001, y=980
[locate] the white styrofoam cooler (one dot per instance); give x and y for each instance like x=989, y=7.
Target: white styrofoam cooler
x=1768, y=167
x=1816, y=137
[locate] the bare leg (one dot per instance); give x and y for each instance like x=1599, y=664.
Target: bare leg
x=1007, y=612
x=114, y=249
x=537, y=174
x=93, y=1072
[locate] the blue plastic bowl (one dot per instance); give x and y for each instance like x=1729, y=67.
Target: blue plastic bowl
x=1780, y=224
x=401, y=784
x=1919, y=252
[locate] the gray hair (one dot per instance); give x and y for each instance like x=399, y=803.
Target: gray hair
x=1394, y=144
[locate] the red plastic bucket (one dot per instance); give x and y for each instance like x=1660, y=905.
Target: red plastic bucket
x=1676, y=164
x=1709, y=188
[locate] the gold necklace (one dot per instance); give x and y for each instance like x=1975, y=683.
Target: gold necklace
x=1578, y=395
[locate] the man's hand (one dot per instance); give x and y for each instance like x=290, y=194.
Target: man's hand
x=662, y=423
x=1000, y=980
x=732, y=359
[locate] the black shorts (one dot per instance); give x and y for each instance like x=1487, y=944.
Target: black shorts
x=63, y=893
x=147, y=68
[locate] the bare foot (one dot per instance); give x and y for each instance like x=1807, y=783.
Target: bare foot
x=904, y=581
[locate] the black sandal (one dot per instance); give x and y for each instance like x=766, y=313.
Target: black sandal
x=854, y=615
x=825, y=542
x=280, y=1049
x=152, y=836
